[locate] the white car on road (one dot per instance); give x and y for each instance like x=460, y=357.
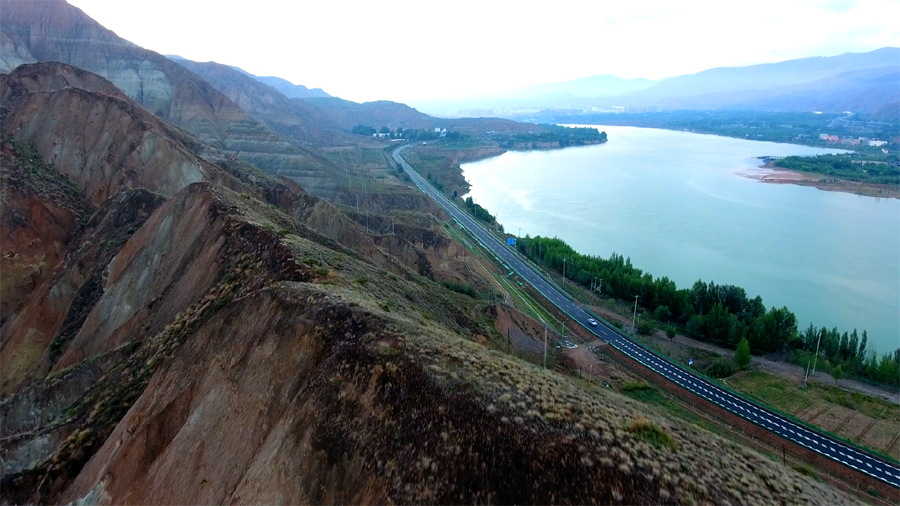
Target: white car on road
x=592, y=321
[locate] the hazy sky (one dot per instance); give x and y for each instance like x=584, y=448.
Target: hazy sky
x=399, y=50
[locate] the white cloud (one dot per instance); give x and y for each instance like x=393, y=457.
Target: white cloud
x=405, y=50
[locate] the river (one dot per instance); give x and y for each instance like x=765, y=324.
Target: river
x=675, y=202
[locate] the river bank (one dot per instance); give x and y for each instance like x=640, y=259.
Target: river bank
x=769, y=173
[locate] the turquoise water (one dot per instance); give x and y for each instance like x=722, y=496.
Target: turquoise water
x=675, y=202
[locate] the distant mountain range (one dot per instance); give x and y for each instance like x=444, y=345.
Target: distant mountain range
x=595, y=86
x=861, y=82
x=558, y=94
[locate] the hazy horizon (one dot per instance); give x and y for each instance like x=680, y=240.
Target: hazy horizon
x=403, y=51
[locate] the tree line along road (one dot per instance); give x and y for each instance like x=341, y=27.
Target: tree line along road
x=815, y=441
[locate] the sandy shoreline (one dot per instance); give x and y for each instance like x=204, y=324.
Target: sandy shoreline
x=769, y=173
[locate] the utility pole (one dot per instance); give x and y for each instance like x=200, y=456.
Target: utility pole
x=564, y=269
x=545, y=346
x=635, y=313
x=816, y=360
x=392, y=225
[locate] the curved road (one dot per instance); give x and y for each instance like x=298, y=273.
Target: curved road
x=763, y=417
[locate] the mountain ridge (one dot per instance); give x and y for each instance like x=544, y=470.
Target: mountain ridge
x=769, y=75
x=53, y=30
x=753, y=86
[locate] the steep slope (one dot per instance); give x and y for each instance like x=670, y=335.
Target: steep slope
x=281, y=377
x=53, y=30
x=42, y=213
x=90, y=132
x=53, y=312
x=95, y=135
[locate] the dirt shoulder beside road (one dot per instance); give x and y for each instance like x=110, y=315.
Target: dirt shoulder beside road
x=787, y=371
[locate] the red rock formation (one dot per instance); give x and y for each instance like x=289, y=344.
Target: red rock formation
x=42, y=213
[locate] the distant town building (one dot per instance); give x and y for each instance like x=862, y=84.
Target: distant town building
x=884, y=151
x=829, y=138
x=817, y=112
x=877, y=143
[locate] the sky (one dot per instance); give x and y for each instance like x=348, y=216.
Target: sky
x=407, y=51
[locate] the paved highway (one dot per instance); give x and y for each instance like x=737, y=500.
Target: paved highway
x=763, y=417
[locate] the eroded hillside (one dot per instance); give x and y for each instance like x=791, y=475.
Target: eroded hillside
x=52, y=30
x=291, y=370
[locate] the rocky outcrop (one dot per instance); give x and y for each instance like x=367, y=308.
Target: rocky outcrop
x=53, y=312
x=42, y=213
x=52, y=30
x=93, y=134
x=173, y=268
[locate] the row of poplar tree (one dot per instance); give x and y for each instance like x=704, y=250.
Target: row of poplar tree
x=719, y=314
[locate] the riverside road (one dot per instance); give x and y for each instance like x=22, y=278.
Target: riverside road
x=756, y=414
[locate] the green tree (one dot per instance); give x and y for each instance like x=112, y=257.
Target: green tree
x=662, y=313
x=720, y=368
x=670, y=332
x=837, y=373
x=742, y=354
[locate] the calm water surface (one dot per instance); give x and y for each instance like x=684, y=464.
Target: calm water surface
x=675, y=203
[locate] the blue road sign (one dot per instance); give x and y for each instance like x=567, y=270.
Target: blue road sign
x=511, y=241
